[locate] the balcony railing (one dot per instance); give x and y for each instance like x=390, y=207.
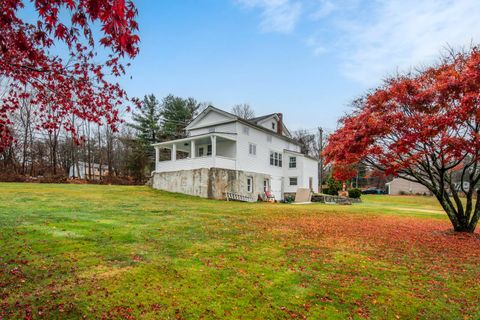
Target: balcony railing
x=196, y=163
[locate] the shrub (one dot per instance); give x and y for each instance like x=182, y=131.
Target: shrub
x=333, y=186
x=326, y=191
x=52, y=179
x=12, y=177
x=354, y=193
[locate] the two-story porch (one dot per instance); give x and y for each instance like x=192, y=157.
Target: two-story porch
x=210, y=150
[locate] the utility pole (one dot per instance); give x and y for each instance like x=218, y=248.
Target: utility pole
x=320, y=156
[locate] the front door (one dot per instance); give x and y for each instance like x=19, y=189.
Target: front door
x=266, y=185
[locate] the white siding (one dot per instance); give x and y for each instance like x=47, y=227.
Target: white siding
x=293, y=172
x=267, y=123
x=310, y=170
x=261, y=161
x=226, y=127
x=196, y=163
x=306, y=168
x=212, y=118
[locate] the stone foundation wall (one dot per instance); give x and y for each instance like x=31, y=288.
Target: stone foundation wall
x=209, y=183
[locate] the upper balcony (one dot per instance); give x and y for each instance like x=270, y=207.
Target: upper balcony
x=212, y=150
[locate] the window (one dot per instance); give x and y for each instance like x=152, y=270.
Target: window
x=246, y=130
x=269, y=138
x=275, y=159
x=252, y=149
x=293, y=162
x=209, y=150
x=273, y=125
x=293, y=181
x=200, y=152
x=249, y=184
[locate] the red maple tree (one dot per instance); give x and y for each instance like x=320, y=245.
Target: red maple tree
x=69, y=85
x=423, y=127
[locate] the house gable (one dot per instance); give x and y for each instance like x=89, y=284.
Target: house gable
x=210, y=116
x=271, y=123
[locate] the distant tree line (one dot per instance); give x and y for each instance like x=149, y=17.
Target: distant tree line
x=38, y=153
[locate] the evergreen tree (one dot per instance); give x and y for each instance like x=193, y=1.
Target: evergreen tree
x=177, y=114
x=147, y=126
x=147, y=120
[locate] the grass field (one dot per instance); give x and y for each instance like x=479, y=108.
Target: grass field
x=113, y=252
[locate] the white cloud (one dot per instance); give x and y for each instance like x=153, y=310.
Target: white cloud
x=404, y=34
x=374, y=38
x=277, y=15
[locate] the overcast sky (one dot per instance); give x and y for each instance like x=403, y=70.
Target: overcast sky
x=305, y=58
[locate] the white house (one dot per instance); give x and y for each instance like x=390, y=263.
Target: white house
x=82, y=170
x=224, y=153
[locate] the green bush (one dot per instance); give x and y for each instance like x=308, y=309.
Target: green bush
x=354, y=193
x=326, y=191
x=333, y=186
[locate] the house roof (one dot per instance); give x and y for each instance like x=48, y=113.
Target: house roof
x=301, y=154
x=259, y=119
x=93, y=165
x=207, y=110
x=252, y=122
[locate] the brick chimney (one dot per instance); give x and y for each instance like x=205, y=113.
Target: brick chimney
x=280, y=124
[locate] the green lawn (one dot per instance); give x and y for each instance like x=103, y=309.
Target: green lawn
x=116, y=252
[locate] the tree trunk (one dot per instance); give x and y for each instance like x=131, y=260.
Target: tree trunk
x=466, y=221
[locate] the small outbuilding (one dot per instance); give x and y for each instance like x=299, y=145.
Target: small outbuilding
x=400, y=186
x=84, y=170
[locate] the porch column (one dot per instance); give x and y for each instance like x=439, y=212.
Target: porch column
x=214, y=146
x=192, y=149
x=174, y=152
x=157, y=157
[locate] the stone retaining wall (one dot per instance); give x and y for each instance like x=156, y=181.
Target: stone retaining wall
x=209, y=183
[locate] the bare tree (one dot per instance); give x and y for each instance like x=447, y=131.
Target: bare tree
x=243, y=111
x=311, y=145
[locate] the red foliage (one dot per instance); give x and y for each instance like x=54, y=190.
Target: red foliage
x=424, y=127
x=74, y=85
x=410, y=117
x=387, y=237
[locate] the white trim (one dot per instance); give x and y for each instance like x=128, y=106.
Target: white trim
x=252, y=146
x=224, y=135
x=280, y=157
x=250, y=188
x=202, y=114
x=290, y=181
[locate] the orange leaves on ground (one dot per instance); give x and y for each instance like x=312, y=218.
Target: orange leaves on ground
x=384, y=236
